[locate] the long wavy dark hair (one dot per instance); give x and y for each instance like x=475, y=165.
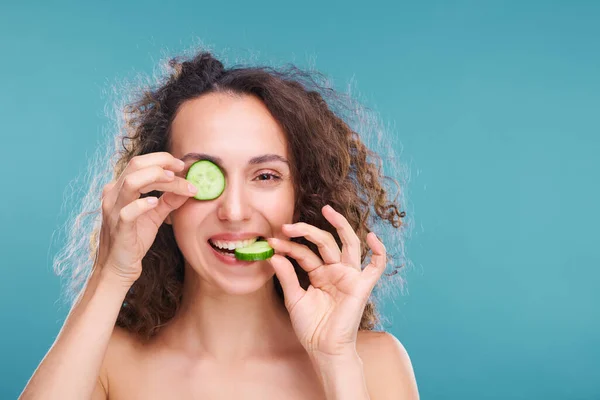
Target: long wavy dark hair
x=331, y=164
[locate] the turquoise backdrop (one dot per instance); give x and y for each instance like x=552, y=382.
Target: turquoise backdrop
x=495, y=108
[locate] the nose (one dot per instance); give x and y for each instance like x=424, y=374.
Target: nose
x=234, y=204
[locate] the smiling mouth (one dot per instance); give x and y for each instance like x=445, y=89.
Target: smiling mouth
x=228, y=252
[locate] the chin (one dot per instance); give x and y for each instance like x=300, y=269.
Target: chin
x=233, y=280
x=244, y=288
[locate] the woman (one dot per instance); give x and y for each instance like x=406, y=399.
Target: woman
x=168, y=313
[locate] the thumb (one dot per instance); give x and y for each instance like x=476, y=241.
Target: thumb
x=167, y=203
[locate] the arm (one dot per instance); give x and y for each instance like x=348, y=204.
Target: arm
x=71, y=368
x=129, y=226
x=342, y=378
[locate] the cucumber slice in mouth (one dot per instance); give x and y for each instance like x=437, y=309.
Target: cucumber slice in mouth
x=257, y=251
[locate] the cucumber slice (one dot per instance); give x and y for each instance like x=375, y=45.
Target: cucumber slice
x=259, y=250
x=208, y=178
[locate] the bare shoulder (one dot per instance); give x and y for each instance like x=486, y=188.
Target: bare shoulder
x=387, y=365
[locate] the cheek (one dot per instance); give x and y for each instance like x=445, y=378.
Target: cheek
x=278, y=209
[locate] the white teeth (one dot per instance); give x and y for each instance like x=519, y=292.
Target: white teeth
x=223, y=244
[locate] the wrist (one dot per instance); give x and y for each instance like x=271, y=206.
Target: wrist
x=323, y=361
x=112, y=282
x=341, y=354
x=341, y=375
x=111, y=276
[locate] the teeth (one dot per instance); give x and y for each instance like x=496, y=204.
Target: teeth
x=223, y=244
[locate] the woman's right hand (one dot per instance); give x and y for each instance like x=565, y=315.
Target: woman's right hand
x=130, y=223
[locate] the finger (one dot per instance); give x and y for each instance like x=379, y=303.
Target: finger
x=328, y=248
x=372, y=272
x=307, y=259
x=107, y=189
x=143, y=180
x=178, y=185
x=167, y=203
x=161, y=159
x=107, y=193
x=130, y=213
x=350, y=241
x=286, y=274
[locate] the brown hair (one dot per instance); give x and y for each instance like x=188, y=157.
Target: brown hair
x=330, y=165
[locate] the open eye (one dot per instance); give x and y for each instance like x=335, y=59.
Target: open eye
x=267, y=176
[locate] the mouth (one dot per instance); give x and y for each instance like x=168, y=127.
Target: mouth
x=227, y=248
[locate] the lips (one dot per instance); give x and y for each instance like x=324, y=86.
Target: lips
x=228, y=257
x=226, y=243
x=221, y=241
x=220, y=250
x=234, y=237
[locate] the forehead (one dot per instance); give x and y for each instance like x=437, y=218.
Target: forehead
x=233, y=127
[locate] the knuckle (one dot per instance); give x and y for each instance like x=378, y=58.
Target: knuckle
x=167, y=202
x=329, y=238
x=124, y=216
x=135, y=162
x=128, y=183
x=105, y=208
x=107, y=188
x=158, y=172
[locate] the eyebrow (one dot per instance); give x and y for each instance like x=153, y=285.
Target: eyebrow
x=253, y=161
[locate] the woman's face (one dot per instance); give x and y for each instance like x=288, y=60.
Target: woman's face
x=251, y=149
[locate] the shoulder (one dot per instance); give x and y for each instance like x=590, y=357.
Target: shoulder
x=387, y=365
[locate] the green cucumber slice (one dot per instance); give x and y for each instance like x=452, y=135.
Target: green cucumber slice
x=259, y=250
x=208, y=178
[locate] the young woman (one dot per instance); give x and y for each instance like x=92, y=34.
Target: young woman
x=168, y=312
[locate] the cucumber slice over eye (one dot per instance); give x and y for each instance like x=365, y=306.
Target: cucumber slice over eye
x=208, y=178
x=259, y=250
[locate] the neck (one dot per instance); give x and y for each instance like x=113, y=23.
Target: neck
x=227, y=327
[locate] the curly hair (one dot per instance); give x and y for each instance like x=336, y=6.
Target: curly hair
x=330, y=165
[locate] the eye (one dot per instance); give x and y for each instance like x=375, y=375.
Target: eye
x=267, y=176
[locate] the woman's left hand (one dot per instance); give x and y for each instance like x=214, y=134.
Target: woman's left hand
x=326, y=317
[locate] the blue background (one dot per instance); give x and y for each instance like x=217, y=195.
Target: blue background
x=495, y=105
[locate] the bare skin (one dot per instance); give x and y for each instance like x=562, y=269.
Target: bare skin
x=232, y=337
x=160, y=370
x=169, y=367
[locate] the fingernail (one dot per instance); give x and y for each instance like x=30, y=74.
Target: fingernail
x=192, y=188
x=152, y=200
x=169, y=173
